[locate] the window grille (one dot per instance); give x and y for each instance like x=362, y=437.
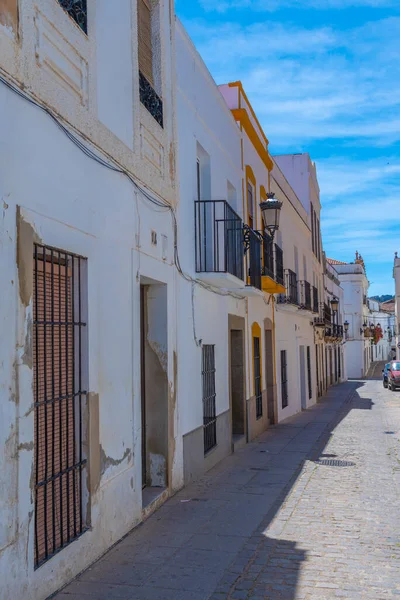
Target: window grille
x=339, y=365
x=284, y=386
x=77, y=10
x=309, y=372
x=209, y=416
x=59, y=342
x=257, y=377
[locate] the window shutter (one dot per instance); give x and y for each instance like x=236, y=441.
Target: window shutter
x=145, y=49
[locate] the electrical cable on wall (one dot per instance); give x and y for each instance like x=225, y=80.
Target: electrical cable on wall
x=114, y=166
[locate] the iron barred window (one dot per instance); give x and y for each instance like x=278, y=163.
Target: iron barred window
x=77, y=10
x=284, y=387
x=59, y=342
x=257, y=377
x=309, y=372
x=209, y=416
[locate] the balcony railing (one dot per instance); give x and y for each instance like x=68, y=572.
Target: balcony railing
x=253, y=248
x=279, y=271
x=292, y=295
x=268, y=256
x=334, y=331
x=219, y=238
x=305, y=301
x=315, y=307
x=327, y=314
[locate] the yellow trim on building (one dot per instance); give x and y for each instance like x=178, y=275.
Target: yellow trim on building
x=251, y=177
x=240, y=115
x=239, y=85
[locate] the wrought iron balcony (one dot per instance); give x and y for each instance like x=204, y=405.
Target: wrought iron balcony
x=253, y=243
x=305, y=298
x=291, y=296
x=327, y=313
x=218, y=238
x=77, y=10
x=315, y=306
x=272, y=265
x=150, y=99
x=279, y=271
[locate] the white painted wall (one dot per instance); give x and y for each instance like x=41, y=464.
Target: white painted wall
x=294, y=327
x=74, y=204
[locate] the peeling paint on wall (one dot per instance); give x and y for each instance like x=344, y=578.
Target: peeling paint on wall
x=107, y=461
x=9, y=14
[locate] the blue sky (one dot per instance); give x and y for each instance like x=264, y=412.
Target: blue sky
x=324, y=81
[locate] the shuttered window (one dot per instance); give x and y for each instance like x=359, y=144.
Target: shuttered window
x=59, y=399
x=145, y=48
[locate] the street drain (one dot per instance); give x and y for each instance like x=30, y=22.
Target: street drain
x=335, y=463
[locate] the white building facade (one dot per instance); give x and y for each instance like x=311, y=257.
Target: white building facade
x=353, y=280
x=89, y=411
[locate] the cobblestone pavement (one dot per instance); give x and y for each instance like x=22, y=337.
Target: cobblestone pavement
x=308, y=511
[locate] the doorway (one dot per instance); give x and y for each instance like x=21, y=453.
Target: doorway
x=154, y=388
x=237, y=383
x=303, y=378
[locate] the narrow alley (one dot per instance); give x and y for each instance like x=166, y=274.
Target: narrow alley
x=309, y=511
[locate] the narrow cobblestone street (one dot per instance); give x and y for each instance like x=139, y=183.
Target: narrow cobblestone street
x=308, y=511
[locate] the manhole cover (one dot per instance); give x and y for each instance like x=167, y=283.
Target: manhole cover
x=335, y=463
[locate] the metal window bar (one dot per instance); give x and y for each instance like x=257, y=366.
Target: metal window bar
x=279, y=271
x=209, y=416
x=284, y=386
x=317, y=368
x=219, y=241
x=315, y=307
x=150, y=99
x=309, y=372
x=257, y=377
x=59, y=400
x=305, y=295
x=253, y=247
x=339, y=365
x=77, y=10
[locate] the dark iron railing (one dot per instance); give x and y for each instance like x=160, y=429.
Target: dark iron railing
x=77, y=10
x=315, y=307
x=305, y=295
x=292, y=295
x=253, y=249
x=279, y=271
x=150, y=99
x=219, y=238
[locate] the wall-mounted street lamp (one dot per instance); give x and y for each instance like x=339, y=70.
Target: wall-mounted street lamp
x=271, y=211
x=363, y=328
x=335, y=304
x=346, y=328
